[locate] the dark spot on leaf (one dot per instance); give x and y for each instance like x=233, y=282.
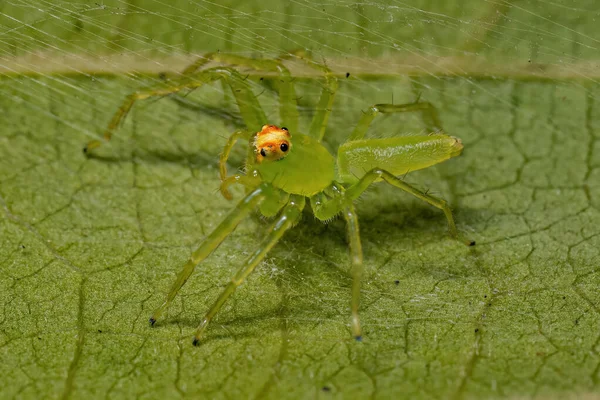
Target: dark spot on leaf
x=326, y=389
x=397, y=282
x=347, y=74
x=476, y=330
x=78, y=25
x=485, y=296
x=99, y=330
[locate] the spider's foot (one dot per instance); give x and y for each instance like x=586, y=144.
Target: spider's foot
x=463, y=240
x=225, y=192
x=358, y=338
x=468, y=242
x=152, y=321
x=196, y=341
x=91, y=145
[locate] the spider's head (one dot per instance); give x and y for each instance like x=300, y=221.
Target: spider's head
x=272, y=143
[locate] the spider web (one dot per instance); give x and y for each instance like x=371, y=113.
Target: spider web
x=494, y=39
x=516, y=80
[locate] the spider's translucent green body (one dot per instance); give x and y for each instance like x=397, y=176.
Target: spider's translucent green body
x=305, y=170
x=310, y=169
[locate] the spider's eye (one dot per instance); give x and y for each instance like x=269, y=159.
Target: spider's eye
x=284, y=147
x=284, y=128
x=263, y=152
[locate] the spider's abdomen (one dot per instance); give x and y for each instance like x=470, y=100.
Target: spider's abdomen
x=397, y=155
x=306, y=170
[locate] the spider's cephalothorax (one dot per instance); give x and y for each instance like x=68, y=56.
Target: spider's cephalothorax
x=272, y=143
x=281, y=177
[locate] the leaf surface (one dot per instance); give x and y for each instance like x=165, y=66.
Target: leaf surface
x=90, y=246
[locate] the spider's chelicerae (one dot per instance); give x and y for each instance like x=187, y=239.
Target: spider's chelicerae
x=285, y=169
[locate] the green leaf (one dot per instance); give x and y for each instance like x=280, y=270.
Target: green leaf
x=90, y=246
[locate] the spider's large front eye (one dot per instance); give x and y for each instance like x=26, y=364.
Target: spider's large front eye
x=272, y=143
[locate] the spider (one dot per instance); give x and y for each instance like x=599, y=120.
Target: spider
x=285, y=169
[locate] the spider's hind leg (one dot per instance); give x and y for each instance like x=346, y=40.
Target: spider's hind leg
x=428, y=110
x=375, y=174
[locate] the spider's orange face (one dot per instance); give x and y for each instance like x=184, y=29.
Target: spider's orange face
x=272, y=143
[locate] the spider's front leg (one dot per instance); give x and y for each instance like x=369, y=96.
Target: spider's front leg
x=288, y=108
x=289, y=216
x=323, y=110
x=212, y=241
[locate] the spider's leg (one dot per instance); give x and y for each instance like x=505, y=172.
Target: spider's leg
x=323, y=110
x=432, y=122
x=354, y=191
x=290, y=214
x=245, y=180
x=241, y=134
x=319, y=121
x=325, y=206
x=199, y=63
x=356, y=255
x=252, y=113
x=212, y=241
x=288, y=108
